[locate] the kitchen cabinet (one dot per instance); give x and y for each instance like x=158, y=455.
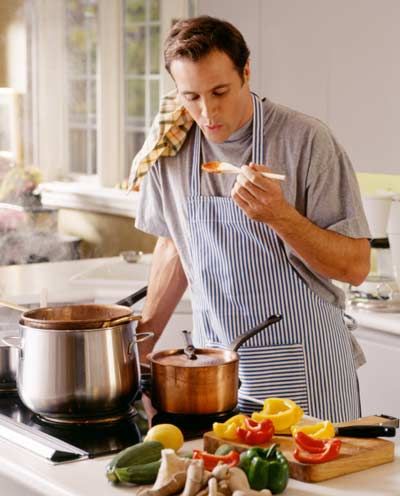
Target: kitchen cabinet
x=379, y=385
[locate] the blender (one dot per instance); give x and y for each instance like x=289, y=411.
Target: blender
x=379, y=291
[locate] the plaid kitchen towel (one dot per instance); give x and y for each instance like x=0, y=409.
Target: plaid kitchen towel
x=167, y=134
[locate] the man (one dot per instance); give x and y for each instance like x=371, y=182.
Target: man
x=250, y=246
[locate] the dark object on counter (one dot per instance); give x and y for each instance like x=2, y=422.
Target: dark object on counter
x=207, y=385
x=365, y=431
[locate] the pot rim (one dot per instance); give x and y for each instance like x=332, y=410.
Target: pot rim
x=70, y=331
x=94, y=323
x=155, y=357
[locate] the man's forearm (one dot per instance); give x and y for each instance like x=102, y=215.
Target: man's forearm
x=167, y=283
x=328, y=253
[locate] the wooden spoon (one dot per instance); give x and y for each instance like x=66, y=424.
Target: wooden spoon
x=227, y=168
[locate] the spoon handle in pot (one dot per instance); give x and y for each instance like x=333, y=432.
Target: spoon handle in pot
x=235, y=345
x=130, y=300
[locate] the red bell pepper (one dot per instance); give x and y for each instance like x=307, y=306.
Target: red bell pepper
x=211, y=461
x=308, y=443
x=254, y=432
x=330, y=452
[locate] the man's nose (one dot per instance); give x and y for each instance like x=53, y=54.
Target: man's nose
x=208, y=109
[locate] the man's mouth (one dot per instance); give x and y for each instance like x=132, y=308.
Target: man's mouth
x=213, y=127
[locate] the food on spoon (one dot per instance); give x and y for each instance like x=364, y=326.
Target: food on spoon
x=212, y=167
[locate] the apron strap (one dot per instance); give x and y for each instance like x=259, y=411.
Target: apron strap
x=257, y=146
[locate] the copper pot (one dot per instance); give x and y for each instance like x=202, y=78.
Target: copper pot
x=207, y=384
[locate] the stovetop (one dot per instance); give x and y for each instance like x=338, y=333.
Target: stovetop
x=60, y=443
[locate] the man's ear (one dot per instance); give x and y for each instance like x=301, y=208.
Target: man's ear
x=246, y=72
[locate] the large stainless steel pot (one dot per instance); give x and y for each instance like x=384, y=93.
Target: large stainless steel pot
x=207, y=384
x=72, y=373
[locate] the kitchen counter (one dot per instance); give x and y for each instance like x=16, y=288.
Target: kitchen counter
x=23, y=473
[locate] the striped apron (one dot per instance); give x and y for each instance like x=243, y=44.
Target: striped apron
x=239, y=276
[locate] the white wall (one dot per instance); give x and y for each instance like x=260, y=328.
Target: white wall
x=335, y=59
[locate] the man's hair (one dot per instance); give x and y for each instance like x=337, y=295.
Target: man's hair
x=196, y=37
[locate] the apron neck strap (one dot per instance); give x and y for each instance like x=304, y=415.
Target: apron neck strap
x=257, y=155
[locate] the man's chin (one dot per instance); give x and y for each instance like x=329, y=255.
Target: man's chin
x=219, y=137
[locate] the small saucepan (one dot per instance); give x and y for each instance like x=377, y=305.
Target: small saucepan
x=197, y=381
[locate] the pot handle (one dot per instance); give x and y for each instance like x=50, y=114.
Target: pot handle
x=13, y=342
x=144, y=336
x=121, y=320
x=235, y=345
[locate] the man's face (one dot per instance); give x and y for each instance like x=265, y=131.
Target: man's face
x=214, y=94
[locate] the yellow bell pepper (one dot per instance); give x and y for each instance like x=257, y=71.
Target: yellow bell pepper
x=227, y=430
x=281, y=411
x=321, y=430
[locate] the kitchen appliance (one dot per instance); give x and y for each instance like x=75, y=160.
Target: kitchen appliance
x=68, y=372
x=393, y=229
x=60, y=443
x=379, y=291
x=197, y=381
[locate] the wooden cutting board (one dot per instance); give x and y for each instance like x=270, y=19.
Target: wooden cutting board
x=356, y=454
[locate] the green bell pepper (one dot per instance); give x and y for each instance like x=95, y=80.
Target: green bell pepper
x=265, y=468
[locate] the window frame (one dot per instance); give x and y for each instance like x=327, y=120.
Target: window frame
x=49, y=101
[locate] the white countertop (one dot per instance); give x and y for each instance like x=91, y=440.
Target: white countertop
x=86, y=478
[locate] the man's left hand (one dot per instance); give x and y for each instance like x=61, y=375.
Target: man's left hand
x=260, y=197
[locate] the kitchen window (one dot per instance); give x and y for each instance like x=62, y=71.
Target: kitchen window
x=96, y=77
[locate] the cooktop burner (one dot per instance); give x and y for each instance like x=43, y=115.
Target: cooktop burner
x=66, y=442
x=73, y=420
x=88, y=438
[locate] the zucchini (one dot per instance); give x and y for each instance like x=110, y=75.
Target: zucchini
x=139, y=474
x=138, y=454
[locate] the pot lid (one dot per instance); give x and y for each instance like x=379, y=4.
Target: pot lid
x=206, y=357
x=84, y=316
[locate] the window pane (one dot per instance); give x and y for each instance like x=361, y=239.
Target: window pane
x=136, y=99
x=154, y=10
x=134, y=142
x=135, y=50
x=155, y=50
x=77, y=97
x=135, y=11
x=154, y=97
x=81, y=44
x=78, y=151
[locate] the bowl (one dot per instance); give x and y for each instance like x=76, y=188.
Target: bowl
x=131, y=256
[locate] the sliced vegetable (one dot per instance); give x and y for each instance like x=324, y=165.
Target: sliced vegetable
x=281, y=411
x=253, y=432
x=265, y=468
x=227, y=430
x=321, y=430
x=330, y=452
x=308, y=443
x=211, y=461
